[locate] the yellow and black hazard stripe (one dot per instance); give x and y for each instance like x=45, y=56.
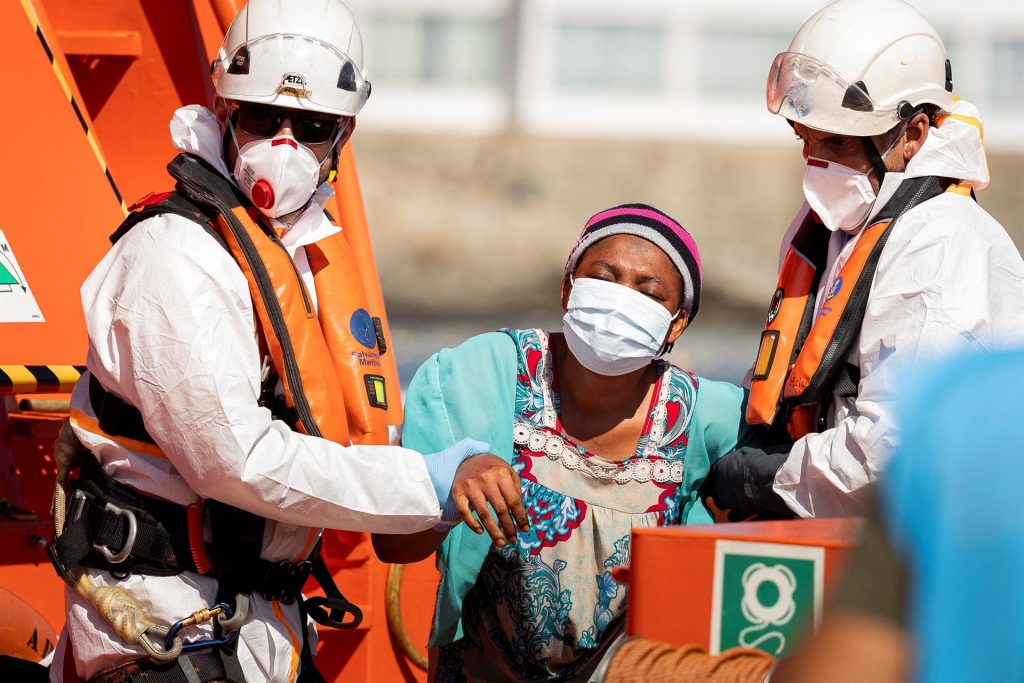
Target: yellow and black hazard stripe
x=39, y=379
x=37, y=27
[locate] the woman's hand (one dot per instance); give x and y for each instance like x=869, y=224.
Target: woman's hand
x=484, y=479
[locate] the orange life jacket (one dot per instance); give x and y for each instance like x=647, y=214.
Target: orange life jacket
x=328, y=363
x=801, y=360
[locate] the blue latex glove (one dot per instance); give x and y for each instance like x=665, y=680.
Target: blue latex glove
x=441, y=467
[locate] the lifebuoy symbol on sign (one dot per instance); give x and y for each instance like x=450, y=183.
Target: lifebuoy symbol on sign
x=761, y=616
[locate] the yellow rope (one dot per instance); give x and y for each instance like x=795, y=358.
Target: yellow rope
x=116, y=605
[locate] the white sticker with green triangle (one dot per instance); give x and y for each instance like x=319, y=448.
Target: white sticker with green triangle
x=17, y=304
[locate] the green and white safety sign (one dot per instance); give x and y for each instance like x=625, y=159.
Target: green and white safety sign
x=17, y=304
x=765, y=595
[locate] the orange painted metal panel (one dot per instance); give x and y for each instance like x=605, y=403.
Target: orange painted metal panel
x=109, y=43
x=25, y=569
x=131, y=97
x=671, y=571
x=58, y=205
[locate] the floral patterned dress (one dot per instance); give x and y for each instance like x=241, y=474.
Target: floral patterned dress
x=547, y=608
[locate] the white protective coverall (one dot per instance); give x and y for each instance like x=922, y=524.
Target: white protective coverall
x=949, y=277
x=172, y=331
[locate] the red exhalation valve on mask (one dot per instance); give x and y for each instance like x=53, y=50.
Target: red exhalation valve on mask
x=262, y=194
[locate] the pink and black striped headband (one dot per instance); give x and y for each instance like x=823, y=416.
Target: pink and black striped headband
x=654, y=226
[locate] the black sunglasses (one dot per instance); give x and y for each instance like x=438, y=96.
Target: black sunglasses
x=307, y=127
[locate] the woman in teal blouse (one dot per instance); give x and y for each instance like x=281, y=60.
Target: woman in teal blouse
x=604, y=435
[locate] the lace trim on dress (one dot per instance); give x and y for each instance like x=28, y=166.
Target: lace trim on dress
x=556, y=449
x=659, y=414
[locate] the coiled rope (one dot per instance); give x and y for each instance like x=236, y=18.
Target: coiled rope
x=116, y=605
x=651, y=661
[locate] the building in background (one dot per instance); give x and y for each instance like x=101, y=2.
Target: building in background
x=650, y=68
x=496, y=127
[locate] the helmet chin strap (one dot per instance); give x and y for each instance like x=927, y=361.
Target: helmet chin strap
x=874, y=158
x=332, y=175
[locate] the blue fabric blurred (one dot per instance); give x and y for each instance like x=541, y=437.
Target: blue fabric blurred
x=953, y=499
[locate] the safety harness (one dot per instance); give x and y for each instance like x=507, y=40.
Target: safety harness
x=116, y=528
x=801, y=362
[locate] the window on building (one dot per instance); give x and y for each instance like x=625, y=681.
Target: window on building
x=1007, y=67
x=736, y=59
x=437, y=49
x=603, y=57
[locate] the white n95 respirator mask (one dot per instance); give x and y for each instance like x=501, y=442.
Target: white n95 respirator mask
x=278, y=174
x=612, y=329
x=841, y=196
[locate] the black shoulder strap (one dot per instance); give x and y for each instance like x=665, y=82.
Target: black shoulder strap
x=203, y=185
x=174, y=203
x=910, y=193
x=200, y=194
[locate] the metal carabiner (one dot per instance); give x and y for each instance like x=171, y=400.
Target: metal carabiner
x=197, y=617
x=217, y=611
x=232, y=622
x=166, y=654
x=126, y=550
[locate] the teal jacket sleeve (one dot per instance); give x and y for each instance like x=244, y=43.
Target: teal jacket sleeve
x=468, y=391
x=718, y=428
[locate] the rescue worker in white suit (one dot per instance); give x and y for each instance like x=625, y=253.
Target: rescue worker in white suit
x=183, y=338
x=890, y=260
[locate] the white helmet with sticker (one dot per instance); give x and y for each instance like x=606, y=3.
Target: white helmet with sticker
x=860, y=67
x=303, y=54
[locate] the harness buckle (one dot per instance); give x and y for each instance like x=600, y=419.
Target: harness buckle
x=133, y=528
x=78, y=500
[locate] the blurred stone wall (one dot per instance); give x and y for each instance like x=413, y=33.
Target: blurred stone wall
x=468, y=226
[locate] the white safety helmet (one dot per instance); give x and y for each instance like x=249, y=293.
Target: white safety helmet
x=303, y=54
x=860, y=67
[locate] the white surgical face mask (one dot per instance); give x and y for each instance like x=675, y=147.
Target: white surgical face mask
x=841, y=196
x=612, y=329
x=278, y=174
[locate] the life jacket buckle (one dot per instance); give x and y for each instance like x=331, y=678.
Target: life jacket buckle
x=126, y=550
